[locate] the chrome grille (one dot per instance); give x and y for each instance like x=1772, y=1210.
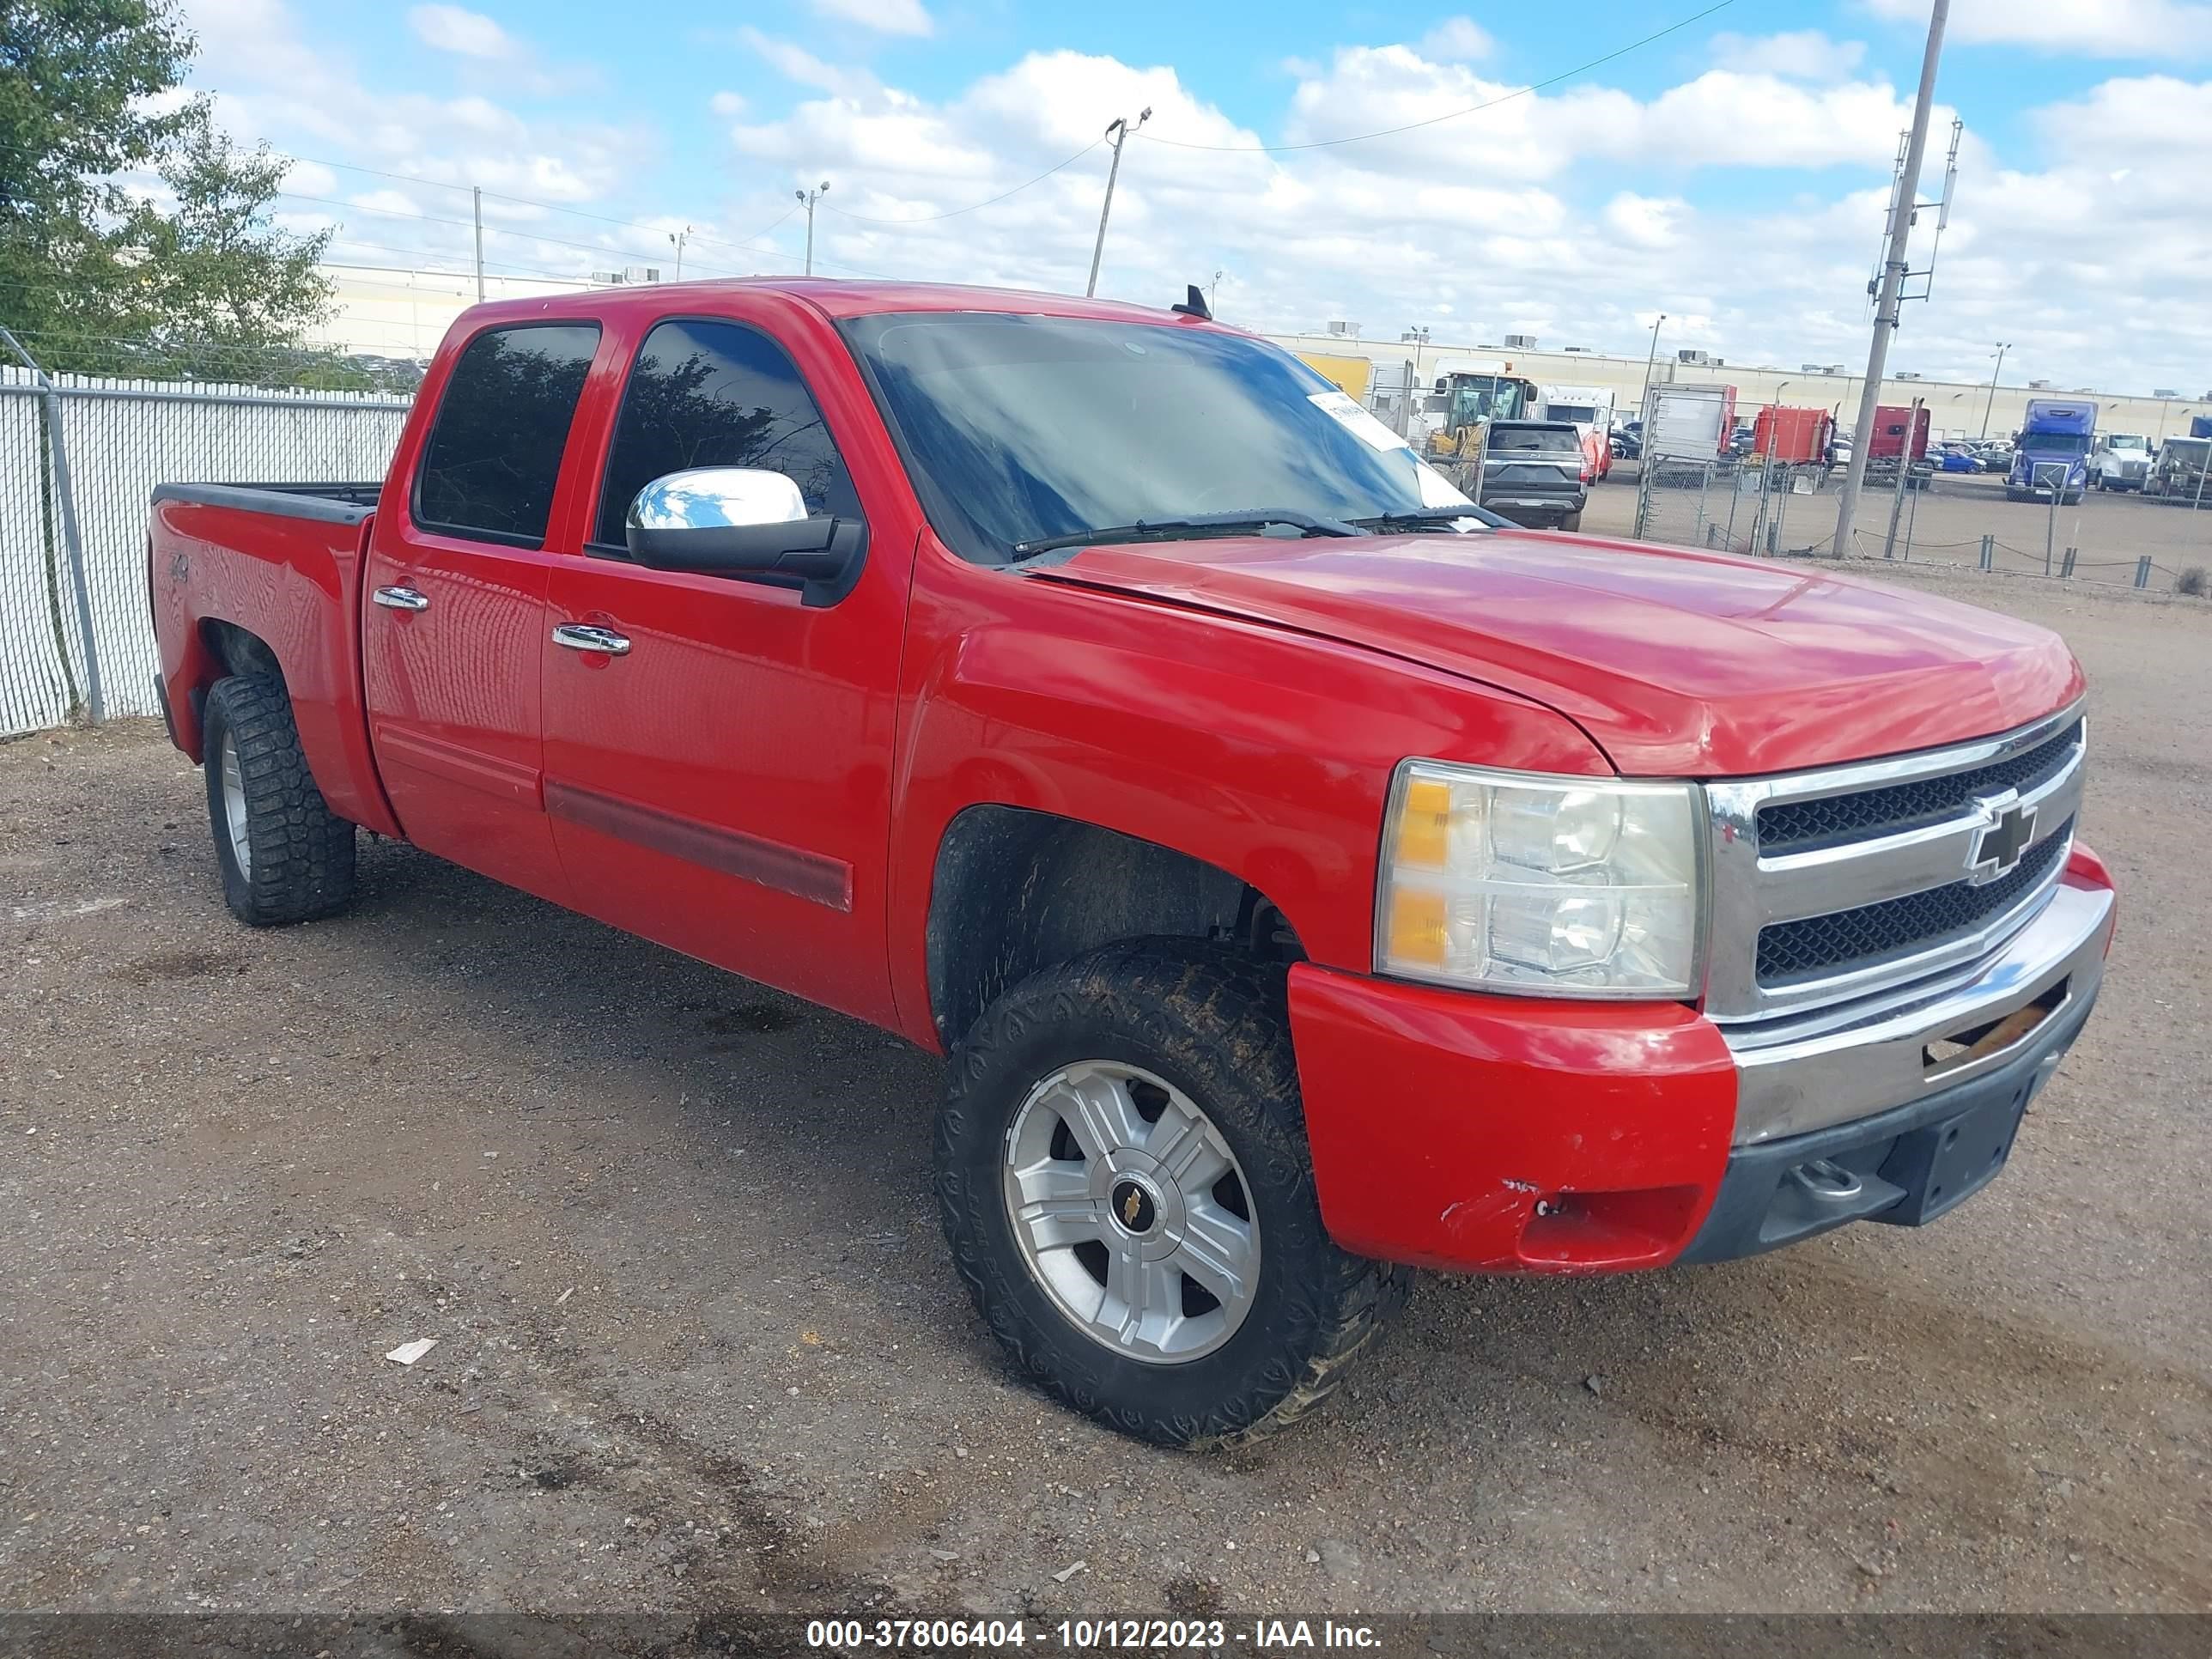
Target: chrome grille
x=1833, y=886
x=1816, y=946
x=1831, y=820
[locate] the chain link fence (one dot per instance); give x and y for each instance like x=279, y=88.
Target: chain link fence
x=1746, y=504
x=1740, y=506
x=79, y=458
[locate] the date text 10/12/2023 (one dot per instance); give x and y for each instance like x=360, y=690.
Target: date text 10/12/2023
x=1089, y=1635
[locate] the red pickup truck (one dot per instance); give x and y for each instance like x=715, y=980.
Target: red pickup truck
x=1307, y=878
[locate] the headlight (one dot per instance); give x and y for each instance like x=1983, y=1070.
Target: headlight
x=1563, y=886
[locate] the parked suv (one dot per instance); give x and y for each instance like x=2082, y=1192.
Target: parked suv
x=1536, y=473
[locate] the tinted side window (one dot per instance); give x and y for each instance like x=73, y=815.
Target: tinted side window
x=494, y=453
x=705, y=393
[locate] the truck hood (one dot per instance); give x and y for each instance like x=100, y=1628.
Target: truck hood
x=1676, y=662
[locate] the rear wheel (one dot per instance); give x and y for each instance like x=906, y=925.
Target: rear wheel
x=1123, y=1168
x=1572, y=521
x=283, y=854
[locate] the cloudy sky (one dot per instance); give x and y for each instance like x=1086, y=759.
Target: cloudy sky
x=1731, y=173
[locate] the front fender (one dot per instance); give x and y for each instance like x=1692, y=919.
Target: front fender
x=1264, y=752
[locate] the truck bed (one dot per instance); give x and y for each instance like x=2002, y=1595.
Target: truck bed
x=281, y=563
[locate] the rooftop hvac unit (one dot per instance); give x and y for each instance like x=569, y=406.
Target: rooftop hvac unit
x=606, y=278
x=1694, y=358
x=1906, y=374
x=1575, y=347
x=2166, y=391
x=2039, y=385
x=1521, y=343
x=1345, y=330
x=641, y=274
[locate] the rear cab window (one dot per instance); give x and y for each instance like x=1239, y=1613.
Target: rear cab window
x=493, y=458
x=711, y=391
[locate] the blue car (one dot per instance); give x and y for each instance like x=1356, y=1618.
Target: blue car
x=1959, y=460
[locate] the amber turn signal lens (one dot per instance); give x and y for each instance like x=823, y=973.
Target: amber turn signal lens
x=1416, y=926
x=1425, y=823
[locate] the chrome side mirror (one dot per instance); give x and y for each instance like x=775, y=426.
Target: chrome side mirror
x=748, y=523
x=717, y=497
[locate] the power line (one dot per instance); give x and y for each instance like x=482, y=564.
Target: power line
x=932, y=218
x=1449, y=115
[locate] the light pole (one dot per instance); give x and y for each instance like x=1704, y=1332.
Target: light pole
x=810, y=196
x=1990, y=402
x=1119, y=130
x=1644, y=405
x=679, y=238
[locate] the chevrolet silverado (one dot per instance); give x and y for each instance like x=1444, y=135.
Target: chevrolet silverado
x=1308, y=879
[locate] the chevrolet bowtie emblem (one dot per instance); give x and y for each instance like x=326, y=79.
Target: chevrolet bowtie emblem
x=1133, y=1205
x=2005, y=833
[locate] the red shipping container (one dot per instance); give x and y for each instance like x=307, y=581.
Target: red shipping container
x=1781, y=434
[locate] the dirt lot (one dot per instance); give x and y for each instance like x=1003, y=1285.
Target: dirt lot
x=1946, y=524
x=698, y=1344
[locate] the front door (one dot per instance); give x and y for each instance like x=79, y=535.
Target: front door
x=717, y=754
x=455, y=615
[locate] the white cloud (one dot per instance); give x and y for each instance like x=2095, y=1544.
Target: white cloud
x=1577, y=214
x=728, y=105
x=455, y=29
x=1648, y=222
x=885, y=16
x=1799, y=55
x=2099, y=28
x=1457, y=41
x=795, y=64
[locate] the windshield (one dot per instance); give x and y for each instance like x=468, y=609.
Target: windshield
x=1561, y=440
x=2056, y=443
x=1020, y=428
x=2127, y=440
x=1586, y=413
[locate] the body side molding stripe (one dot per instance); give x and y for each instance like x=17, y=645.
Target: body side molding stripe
x=824, y=881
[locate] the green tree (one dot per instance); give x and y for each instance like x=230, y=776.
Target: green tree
x=135, y=238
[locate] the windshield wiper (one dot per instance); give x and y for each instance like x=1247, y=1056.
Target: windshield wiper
x=1143, y=530
x=1430, y=518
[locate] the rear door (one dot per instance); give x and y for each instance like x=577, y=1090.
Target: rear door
x=721, y=781
x=455, y=615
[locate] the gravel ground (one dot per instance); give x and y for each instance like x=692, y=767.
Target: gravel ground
x=698, y=1346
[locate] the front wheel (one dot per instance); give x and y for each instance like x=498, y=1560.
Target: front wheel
x=1124, y=1176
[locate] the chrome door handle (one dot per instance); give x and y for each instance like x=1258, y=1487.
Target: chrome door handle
x=401, y=598
x=582, y=636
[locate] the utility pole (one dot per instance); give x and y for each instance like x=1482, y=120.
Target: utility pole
x=677, y=237
x=477, y=191
x=2003, y=346
x=810, y=196
x=1119, y=130
x=1893, y=279
x=1643, y=408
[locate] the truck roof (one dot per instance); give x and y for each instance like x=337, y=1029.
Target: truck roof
x=837, y=298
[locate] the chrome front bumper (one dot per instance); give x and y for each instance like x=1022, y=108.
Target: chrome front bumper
x=1796, y=1075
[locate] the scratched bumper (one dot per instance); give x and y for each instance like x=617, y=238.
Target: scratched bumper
x=1510, y=1135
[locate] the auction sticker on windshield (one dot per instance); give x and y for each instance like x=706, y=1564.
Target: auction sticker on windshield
x=1355, y=420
